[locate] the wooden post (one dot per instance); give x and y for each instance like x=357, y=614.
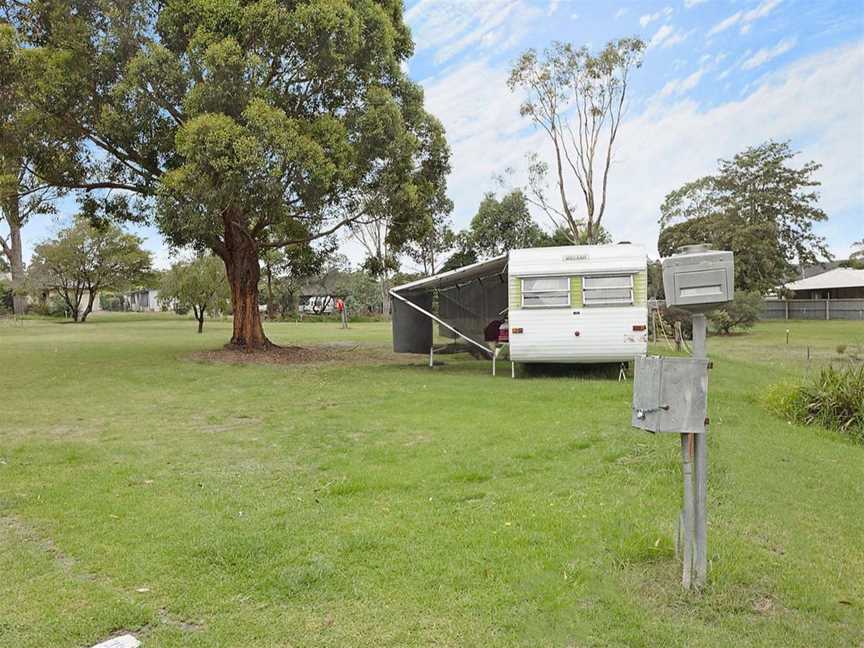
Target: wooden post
x=679, y=336
x=654, y=325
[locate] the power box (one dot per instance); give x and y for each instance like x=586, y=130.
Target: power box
x=699, y=278
x=670, y=394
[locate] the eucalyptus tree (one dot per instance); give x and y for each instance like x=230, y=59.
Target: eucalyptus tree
x=22, y=194
x=249, y=126
x=578, y=99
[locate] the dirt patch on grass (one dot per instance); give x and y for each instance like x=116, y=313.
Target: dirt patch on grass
x=286, y=355
x=29, y=535
x=294, y=355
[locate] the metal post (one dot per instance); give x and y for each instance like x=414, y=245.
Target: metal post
x=688, y=514
x=431, y=356
x=700, y=473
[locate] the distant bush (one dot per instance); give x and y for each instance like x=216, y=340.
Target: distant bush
x=833, y=399
x=855, y=352
x=741, y=313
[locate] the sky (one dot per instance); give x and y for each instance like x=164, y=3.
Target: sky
x=718, y=76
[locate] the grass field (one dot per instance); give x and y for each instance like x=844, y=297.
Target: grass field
x=375, y=502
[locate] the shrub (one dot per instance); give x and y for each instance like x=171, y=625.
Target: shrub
x=742, y=312
x=833, y=399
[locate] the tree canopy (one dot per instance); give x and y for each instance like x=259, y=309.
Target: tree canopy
x=249, y=126
x=505, y=224
x=84, y=260
x=758, y=206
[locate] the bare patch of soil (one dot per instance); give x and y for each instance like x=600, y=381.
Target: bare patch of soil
x=286, y=355
x=339, y=352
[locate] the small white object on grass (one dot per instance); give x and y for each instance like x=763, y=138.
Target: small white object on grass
x=123, y=641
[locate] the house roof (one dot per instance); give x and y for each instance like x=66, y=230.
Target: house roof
x=836, y=278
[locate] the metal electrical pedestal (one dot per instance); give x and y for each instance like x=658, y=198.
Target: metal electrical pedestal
x=694, y=462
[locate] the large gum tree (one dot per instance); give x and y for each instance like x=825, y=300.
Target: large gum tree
x=244, y=126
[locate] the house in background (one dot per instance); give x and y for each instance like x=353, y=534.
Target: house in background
x=143, y=300
x=839, y=283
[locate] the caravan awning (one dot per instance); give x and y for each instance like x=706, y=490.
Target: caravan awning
x=463, y=275
x=465, y=305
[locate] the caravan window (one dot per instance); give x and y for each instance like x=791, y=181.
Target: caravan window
x=545, y=292
x=607, y=290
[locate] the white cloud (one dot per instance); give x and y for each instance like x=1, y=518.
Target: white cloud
x=553, y=7
x=621, y=12
x=647, y=19
x=744, y=18
x=815, y=102
x=689, y=4
x=680, y=86
x=666, y=36
x=452, y=26
x=767, y=54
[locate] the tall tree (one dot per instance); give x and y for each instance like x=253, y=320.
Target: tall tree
x=84, y=260
x=256, y=125
x=197, y=285
x=758, y=206
x=578, y=100
x=857, y=250
x=381, y=259
x=22, y=194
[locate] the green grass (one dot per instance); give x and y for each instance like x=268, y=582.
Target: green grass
x=381, y=503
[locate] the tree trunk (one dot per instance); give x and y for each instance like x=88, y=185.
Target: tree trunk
x=199, y=315
x=14, y=252
x=91, y=297
x=241, y=265
x=16, y=263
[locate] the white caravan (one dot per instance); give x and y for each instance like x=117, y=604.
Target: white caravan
x=569, y=304
x=578, y=303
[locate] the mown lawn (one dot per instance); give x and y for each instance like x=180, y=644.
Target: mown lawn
x=376, y=502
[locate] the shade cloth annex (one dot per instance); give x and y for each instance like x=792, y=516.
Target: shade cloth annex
x=461, y=301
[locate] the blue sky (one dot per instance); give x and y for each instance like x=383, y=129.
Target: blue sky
x=719, y=75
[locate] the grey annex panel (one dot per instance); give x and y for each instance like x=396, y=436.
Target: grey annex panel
x=470, y=307
x=412, y=330
x=670, y=394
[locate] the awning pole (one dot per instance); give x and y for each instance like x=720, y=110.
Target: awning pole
x=440, y=321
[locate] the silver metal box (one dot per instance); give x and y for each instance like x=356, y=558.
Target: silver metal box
x=699, y=278
x=670, y=394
